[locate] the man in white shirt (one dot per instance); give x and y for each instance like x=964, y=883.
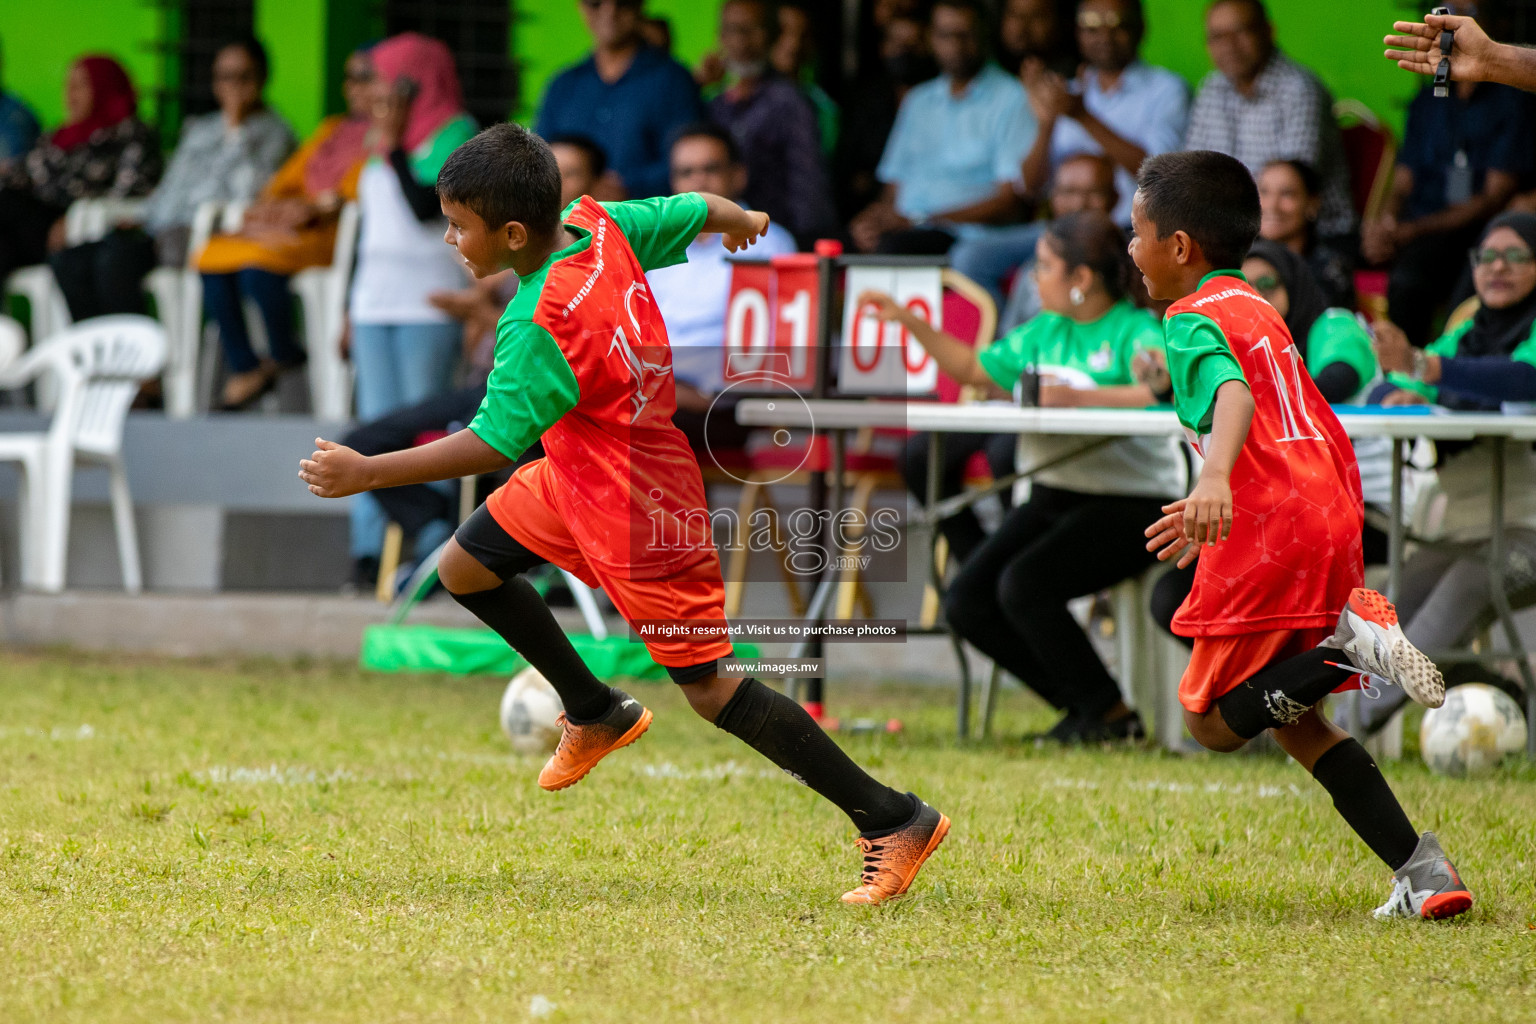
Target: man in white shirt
x=692, y=296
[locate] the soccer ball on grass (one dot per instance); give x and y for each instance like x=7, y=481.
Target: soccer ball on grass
x=1475, y=729
x=528, y=711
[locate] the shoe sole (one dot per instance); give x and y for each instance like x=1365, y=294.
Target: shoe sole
x=939, y=832
x=1411, y=667
x=1446, y=904
x=634, y=733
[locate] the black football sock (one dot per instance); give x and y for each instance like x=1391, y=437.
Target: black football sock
x=1280, y=694
x=781, y=730
x=517, y=612
x=1363, y=798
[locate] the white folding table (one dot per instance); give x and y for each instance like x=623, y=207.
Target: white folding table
x=1098, y=426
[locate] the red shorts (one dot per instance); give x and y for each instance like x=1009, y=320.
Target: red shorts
x=694, y=595
x=1219, y=663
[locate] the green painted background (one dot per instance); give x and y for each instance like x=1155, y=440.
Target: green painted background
x=309, y=38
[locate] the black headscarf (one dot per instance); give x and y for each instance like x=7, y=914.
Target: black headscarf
x=1498, y=332
x=1308, y=302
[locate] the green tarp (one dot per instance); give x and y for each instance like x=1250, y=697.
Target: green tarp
x=406, y=648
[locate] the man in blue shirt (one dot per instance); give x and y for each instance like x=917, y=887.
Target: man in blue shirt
x=18, y=129
x=1117, y=106
x=1463, y=157
x=627, y=97
x=952, y=161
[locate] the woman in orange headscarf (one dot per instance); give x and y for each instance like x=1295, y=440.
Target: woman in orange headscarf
x=291, y=227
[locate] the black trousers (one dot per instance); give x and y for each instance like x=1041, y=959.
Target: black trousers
x=416, y=505
x=24, y=224
x=1428, y=274
x=1010, y=599
x=962, y=530
x=100, y=278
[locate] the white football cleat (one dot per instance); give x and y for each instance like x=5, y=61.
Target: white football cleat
x=1371, y=640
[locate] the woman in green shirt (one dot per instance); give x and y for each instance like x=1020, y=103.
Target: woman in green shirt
x=1081, y=530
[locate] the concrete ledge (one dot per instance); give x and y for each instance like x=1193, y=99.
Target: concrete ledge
x=331, y=627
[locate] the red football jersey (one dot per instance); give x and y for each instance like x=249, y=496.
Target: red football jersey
x=1294, y=552
x=623, y=478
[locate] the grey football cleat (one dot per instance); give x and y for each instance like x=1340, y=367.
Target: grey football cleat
x=1427, y=886
x=1371, y=640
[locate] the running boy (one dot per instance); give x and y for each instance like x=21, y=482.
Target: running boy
x=1275, y=521
x=583, y=361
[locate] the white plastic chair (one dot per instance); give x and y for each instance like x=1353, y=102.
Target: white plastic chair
x=178, y=293
x=98, y=366
x=322, y=294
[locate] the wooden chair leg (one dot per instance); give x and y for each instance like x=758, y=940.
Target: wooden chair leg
x=737, y=560
x=797, y=603
x=848, y=587
x=389, y=563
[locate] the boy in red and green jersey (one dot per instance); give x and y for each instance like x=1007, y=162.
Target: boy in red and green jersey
x=583, y=362
x=1277, y=613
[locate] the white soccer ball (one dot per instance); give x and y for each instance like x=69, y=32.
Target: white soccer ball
x=1476, y=728
x=528, y=711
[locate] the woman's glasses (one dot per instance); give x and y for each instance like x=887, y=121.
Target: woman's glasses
x=1266, y=283
x=1514, y=256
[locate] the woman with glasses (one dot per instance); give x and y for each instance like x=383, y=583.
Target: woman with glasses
x=224, y=156
x=1487, y=363
x=291, y=226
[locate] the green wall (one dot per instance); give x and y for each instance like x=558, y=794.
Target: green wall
x=308, y=40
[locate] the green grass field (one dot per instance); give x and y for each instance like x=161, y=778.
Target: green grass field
x=262, y=842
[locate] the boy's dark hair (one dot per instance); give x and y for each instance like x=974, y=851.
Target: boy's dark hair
x=254, y=50
x=506, y=173
x=1207, y=195
x=1091, y=239
x=597, y=160
x=708, y=130
x=1311, y=181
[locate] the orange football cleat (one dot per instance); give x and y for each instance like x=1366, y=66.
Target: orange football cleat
x=893, y=860
x=582, y=746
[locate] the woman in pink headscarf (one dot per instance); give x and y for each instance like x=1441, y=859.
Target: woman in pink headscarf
x=404, y=348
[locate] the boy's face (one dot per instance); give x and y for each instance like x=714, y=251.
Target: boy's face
x=483, y=250
x=1161, y=261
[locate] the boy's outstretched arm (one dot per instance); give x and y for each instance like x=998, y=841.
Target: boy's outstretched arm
x=335, y=471
x=738, y=228
x=1205, y=517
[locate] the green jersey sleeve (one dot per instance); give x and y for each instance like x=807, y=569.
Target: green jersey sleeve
x=1337, y=337
x=531, y=386
x=659, y=230
x=1199, y=362
x=1010, y=355
x=427, y=159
